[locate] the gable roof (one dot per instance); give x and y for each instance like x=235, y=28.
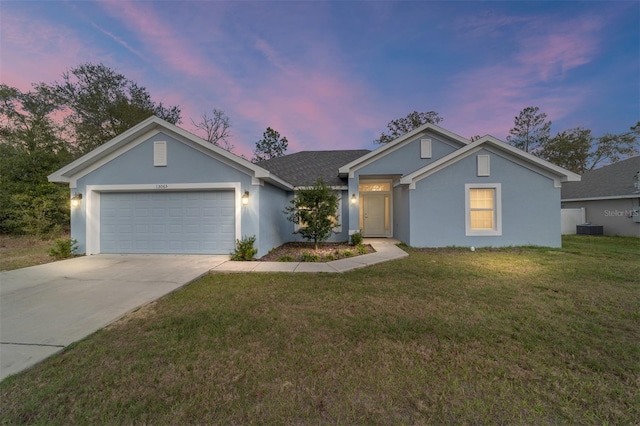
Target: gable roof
x=558, y=174
x=398, y=143
x=306, y=167
x=141, y=132
x=612, y=181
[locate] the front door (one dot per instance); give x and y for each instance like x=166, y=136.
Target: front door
x=374, y=212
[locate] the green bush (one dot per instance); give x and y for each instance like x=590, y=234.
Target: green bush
x=347, y=253
x=310, y=257
x=244, y=249
x=329, y=257
x=362, y=249
x=63, y=248
x=40, y=211
x=356, y=238
x=287, y=258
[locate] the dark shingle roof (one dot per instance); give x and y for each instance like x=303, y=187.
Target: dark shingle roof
x=304, y=168
x=614, y=180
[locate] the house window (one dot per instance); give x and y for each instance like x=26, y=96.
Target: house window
x=375, y=187
x=160, y=153
x=483, y=209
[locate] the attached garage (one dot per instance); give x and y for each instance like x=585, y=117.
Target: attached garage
x=159, y=189
x=192, y=222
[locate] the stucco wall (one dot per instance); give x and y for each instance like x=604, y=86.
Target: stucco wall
x=185, y=165
x=406, y=159
x=530, y=206
x=401, y=161
x=274, y=227
x=614, y=215
x=401, y=221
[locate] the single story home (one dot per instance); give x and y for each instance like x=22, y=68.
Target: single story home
x=609, y=197
x=157, y=188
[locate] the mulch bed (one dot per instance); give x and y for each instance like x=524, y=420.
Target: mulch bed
x=295, y=252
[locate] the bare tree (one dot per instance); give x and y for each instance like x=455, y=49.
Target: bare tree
x=216, y=128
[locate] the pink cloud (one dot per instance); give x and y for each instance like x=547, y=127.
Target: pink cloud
x=34, y=50
x=551, y=55
x=167, y=45
x=486, y=99
x=314, y=106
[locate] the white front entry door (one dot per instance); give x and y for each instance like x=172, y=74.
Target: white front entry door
x=373, y=207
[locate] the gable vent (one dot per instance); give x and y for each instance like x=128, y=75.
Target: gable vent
x=483, y=165
x=160, y=154
x=425, y=148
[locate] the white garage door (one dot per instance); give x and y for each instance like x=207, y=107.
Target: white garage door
x=167, y=222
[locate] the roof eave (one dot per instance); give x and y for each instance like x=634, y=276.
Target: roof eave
x=563, y=174
x=344, y=170
x=66, y=174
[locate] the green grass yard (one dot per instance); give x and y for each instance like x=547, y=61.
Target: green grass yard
x=22, y=251
x=515, y=336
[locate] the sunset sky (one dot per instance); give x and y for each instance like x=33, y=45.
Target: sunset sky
x=331, y=75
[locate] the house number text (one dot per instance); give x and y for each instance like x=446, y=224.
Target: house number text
x=162, y=186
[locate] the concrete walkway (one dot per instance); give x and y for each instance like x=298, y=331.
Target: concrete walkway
x=385, y=248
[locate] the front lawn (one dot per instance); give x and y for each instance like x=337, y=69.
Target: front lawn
x=22, y=251
x=516, y=336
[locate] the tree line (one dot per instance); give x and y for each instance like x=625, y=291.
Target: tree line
x=51, y=125
x=574, y=149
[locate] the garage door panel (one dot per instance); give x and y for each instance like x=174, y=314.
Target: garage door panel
x=168, y=222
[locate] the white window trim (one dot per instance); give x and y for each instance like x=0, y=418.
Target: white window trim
x=497, y=230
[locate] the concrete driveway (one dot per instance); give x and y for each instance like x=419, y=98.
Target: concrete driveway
x=47, y=307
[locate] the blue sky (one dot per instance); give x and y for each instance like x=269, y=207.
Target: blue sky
x=331, y=75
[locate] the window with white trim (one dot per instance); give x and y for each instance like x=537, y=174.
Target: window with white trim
x=483, y=205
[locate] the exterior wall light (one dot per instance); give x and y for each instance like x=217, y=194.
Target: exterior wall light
x=245, y=198
x=75, y=200
x=354, y=200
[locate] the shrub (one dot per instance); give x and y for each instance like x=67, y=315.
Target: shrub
x=287, y=258
x=63, y=248
x=356, y=238
x=244, y=249
x=347, y=253
x=362, y=249
x=329, y=257
x=310, y=257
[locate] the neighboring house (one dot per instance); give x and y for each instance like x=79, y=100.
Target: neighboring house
x=610, y=197
x=159, y=189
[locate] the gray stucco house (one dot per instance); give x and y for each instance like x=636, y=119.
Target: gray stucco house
x=157, y=188
x=610, y=196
